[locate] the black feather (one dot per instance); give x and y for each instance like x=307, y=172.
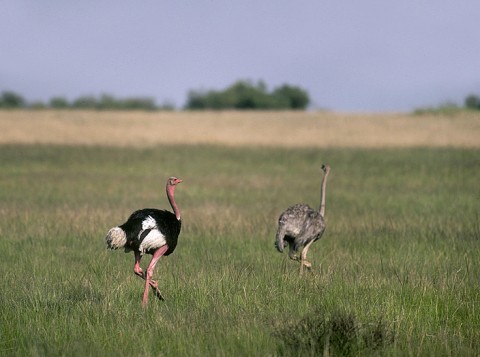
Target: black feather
x=166, y=222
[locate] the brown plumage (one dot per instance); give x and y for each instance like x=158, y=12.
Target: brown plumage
x=300, y=225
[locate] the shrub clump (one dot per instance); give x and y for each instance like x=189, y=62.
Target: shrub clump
x=337, y=334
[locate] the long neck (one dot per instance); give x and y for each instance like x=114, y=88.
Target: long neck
x=171, y=199
x=322, y=195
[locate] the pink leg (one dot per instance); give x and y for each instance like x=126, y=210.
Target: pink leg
x=148, y=276
x=138, y=271
x=136, y=268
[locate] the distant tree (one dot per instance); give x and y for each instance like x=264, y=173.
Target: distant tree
x=248, y=95
x=196, y=99
x=200, y=99
x=11, y=100
x=291, y=97
x=218, y=100
x=245, y=95
x=85, y=102
x=472, y=102
x=108, y=102
x=139, y=103
x=58, y=103
x=37, y=105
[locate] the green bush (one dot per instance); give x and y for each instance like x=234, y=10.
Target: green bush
x=245, y=95
x=291, y=97
x=85, y=102
x=339, y=333
x=472, y=102
x=59, y=103
x=12, y=100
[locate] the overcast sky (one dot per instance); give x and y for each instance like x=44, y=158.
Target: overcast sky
x=369, y=55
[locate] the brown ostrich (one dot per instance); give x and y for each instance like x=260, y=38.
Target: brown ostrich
x=300, y=225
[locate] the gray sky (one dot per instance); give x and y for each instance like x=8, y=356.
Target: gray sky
x=370, y=55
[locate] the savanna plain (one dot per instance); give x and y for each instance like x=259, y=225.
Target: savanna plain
x=396, y=273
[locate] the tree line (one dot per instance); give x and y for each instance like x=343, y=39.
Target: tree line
x=240, y=95
x=248, y=95
x=470, y=103
x=12, y=100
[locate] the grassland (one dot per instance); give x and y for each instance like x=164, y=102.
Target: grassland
x=396, y=272
x=272, y=129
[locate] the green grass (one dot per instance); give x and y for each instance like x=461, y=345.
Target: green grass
x=396, y=272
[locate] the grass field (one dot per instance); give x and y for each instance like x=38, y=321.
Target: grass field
x=396, y=273
x=272, y=129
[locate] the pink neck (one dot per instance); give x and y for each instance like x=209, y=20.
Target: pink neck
x=171, y=199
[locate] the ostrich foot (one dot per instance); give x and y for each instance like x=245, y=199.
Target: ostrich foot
x=158, y=294
x=307, y=265
x=153, y=284
x=156, y=290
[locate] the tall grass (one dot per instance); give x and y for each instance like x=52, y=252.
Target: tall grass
x=396, y=272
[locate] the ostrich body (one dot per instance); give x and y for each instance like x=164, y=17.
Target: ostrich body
x=300, y=225
x=149, y=231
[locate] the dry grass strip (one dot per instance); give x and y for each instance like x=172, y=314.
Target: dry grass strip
x=290, y=129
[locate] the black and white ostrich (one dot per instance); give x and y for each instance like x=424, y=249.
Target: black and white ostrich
x=300, y=225
x=149, y=231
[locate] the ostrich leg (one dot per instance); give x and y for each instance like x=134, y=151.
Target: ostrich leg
x=136, y=268
x=148, y=276
x=138, y=271
x=304, y=261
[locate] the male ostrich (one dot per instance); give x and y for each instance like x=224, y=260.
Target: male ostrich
x=151, y=231
x=300, y=225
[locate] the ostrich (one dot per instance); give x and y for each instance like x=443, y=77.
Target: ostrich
x=149, y=231
x=300, y=225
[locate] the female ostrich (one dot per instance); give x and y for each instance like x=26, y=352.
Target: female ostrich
x=151, y=231
x=300, y=225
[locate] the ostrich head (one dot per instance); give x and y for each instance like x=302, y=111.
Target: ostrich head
x=326, y=168
x=173, y=181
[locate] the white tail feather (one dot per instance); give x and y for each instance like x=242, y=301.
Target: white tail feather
x=116, y=238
